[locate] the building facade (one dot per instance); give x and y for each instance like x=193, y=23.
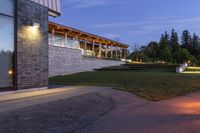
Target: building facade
x=72, y=51
x=27, y=40
x=24, y=42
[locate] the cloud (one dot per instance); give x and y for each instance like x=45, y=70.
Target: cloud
x=151, y=29
x=111, y=36
x=164, y=21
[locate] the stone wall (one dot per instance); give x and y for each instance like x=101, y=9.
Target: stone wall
x=32, y=45
x=64, y=61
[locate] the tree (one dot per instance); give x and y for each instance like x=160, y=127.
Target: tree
x=195, y=49
x=165, y=54
x=186, y=40
x=139, y=56
x=165, y=51
x=185, y=55
x=152, y=51
x=164, y=40
x=174, y=41
x=169, y=49
x=174, y=45
x=195, y=45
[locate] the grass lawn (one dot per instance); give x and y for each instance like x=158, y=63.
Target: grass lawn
x=150, y=84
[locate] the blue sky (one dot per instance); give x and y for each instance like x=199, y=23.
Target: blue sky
x=133, y=22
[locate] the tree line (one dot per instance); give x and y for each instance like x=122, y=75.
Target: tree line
x=170, y=49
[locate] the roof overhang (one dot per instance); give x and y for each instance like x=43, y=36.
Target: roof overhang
x=53, y=6
x=61, y=29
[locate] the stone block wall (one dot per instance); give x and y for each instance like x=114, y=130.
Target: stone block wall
x=32, y=45
x=64, y=61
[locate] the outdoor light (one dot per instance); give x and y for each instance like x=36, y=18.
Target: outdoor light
x=10, y=72
x=36, y=25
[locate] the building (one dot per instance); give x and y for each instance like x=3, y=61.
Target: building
x=30, y=45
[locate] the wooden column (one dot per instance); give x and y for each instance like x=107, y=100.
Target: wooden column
x=106, y=52
x=99, y=50
x=116, y=52
x=120, y=53
x=66, y=41
x=111, y=51
x=52, y=37
x=93, y=48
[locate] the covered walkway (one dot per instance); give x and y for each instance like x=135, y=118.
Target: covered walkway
x=92, y=45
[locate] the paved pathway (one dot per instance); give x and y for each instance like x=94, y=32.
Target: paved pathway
x=98, y=110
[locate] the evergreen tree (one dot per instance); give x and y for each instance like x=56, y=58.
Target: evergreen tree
x=174, y=41
x=186, y=40
x=165, y=51
x=164, y=40
x=196, y=49
x=174, y=45
x=195, y=45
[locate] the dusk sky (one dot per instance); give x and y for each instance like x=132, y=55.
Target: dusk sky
x=132, y=21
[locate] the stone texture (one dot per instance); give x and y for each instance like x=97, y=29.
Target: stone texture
x=32, y=45
x=63, y=61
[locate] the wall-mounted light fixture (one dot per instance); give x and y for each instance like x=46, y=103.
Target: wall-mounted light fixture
x=36, y=25
x=32, y=31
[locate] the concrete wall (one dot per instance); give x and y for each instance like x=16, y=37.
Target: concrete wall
x=32, y=45
x=63, y=61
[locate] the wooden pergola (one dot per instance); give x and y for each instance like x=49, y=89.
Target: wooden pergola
x=111, y=46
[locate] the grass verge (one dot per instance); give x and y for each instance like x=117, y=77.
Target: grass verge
x=152, y=85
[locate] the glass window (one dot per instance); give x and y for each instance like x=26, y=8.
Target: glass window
x=7, y=7
x=58, y=40
x=6, y=51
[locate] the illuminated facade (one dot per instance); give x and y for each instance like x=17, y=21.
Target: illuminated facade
x=24, y=42
x=91, y=45
x=25, y=38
